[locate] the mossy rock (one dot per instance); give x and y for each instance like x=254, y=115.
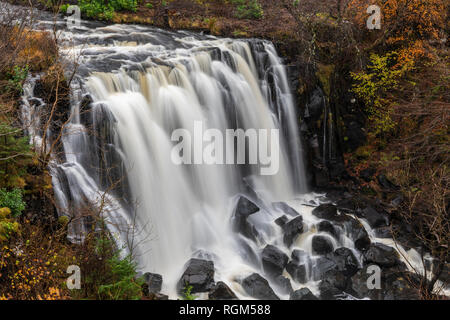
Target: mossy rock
x=324, y=73
x=63, y=221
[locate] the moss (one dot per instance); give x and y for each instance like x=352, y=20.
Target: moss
x=324, y=73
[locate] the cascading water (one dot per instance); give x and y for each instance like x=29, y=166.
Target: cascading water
x=133, y=87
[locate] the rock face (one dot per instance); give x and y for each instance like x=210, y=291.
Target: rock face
x=258, y=288
x=153, y=282
x=292, y=229
x=382, y=255
x=303, y=294
x=273, y=260
x=199, y=274
x=321, y=245
x=221, y=292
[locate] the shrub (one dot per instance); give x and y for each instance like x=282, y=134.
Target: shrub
x=248, y=9
x=102, y=9
x=12, y=200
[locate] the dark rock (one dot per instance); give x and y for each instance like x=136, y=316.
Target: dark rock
x=321, y=245
x=273, y=260
x=245, y=207
x=382, y=255
x=397, y=201
x=355, y=135
x=299, y=256
x=400, y=286
x=333, y=285
x=374, y=218
x=325, y=211
x=258, y=288
x=292, y=229
x=156, y=297
x=321, y=267
x=297, y=272
x=358, y=285
x=303, y=294
x=346, y=261
x=284, y=284
x=283, y=207
x=199, y=274
x=281, y=221
x=384, y=182
x=221, y=292
x=357, y=233
x=327, y=226
x=153, y=282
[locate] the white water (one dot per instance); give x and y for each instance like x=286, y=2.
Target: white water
x=145, y=83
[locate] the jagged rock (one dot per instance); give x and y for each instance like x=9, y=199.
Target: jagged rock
x=285, y=209
x=374, y=218
x=292, y=229
x=297, y=271
x=357, y=233
x=199, y=274
x=245, y=207
x=273, y=260
x=258, y=288
x=321, y=245
x=281, y=221
x=382, y=255
x=153, y=282
x=326, y=211
x=327, y=226
x=346, y=261
x=303, y=294
x=221, y=292
x=284, y=284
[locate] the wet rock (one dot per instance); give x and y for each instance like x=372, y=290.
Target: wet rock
x=383, y=232
x=374, y=218
x=322, y=266
x=299, y=256
x=156, y=296
x=382, y=255
x=333, y=285
x=281, y=221
x=258, y=288
x=327, y=226
x=273, y=260
x=292, y=229
x=321, y=245
x=199, y=274
x=326, y=211
x=245, y=207
x=400, y=286
x=297, y=271
x=357, y=233
x=221, y=292
x=346, y=261
x=303, y=294
x=153, y=282
x=284, y=284
x=358, y=285
x=283, y=207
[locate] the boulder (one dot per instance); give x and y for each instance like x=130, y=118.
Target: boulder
x=273, y=260
x=384, y=182
x=245, y=207
x=346, y=261
x=321, y=267
x=221, y=292
x=199, y=274
x=333, y=285
x=303, y=294
x=382, y=255
x=281, y=221
x=326, y=211
x=292, y=229
x=327, y=226
x=357, y=233
x=258, y=288
x=283, y=207
x=284, y=284
x=373, y=217
x=153, y=282
x=299, y=256
x=321, y=245
x=297, y=271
